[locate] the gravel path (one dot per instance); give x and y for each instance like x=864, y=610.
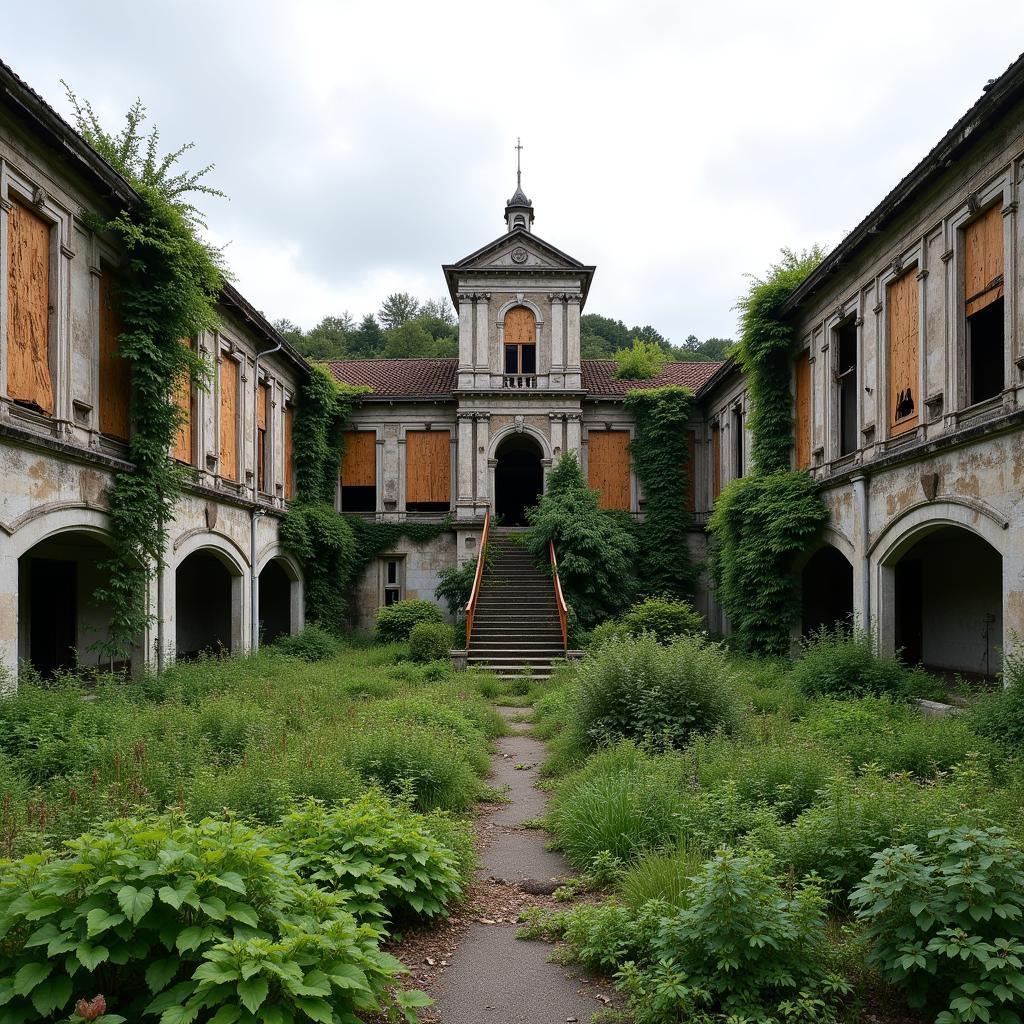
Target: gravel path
x=492, y=975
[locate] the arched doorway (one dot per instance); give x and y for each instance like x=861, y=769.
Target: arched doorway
x=61, y=622
x=947, y=603
x=207, y=609
x=826, y=590
x=518, y=478
x=275, y=593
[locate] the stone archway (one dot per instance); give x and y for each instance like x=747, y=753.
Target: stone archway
x=826, y=590
x=518, y=478
x=207, y=604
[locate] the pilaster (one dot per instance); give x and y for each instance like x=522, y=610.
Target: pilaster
x=573, y=373
x=465, y=458
x=465, y=339
x=483, y=477
x=483, y=359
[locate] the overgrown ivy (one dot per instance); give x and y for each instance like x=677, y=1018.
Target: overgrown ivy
x=166, y=291
x=660, y=456
x=762, y=521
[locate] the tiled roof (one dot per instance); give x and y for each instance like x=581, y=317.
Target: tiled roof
x=436, y=378
x=399, y=378
x=599, y=377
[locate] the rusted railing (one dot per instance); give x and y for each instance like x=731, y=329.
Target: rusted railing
x=478, y=578
x=563, y=608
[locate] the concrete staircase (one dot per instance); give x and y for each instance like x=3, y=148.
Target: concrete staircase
x=516, y=623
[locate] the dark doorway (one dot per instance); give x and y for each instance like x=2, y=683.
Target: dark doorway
x=518, y=479
x=909, y=621
x=275, y=603
x=826, y=587
x=53, y=615
x=202, y=609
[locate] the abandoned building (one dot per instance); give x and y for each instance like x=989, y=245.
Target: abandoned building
x=908, y=387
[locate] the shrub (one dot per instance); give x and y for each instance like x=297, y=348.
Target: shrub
x=605, y=936
x=837, y=663
x=638, y=689
x=663, y=617
x=313, y=644
x=610, y=629
x=395, y=622
x=948, y=924
x=1000, y=716
x=641, y=362
x=431, y=641
x=661, y=875
x=166, y=918
x=455, y=586
x=379, y=852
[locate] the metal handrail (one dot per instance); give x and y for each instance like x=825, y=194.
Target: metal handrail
x=478, y=578
x=563, y=608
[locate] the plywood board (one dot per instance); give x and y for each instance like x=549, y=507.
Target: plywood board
x=428, y=473
x=983, y=260
x=520, y=327
x=28, y=309
x=115, y=372
x=182, y=450
x=802, y=410
x=904, y=349
x=608, y=467
x=359, y=463
x=229, y=419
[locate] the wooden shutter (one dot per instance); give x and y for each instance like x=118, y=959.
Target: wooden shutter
x=262, y=406
x=983, y=260
x=691, y=466
x=115, y=372
x=359, y=463
x=428, y=470
x=520, y=327
x=228, y=418
x=28, y=309
x=802, y=410
x=904, y=400
x=289, y=455
x=182, y=450
x=608, y=467
x=716, y=461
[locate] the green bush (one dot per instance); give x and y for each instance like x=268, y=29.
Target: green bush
x=660, y=875
x=947, y=923
x=379, y=852
x=663, y=617
x=313, y=644
x=172, y=921
x=431, y=641
x=395, y=622
x=604, y=936
x=1000, y=716
x=641, y=362
x=837, y=663
x=636, y=688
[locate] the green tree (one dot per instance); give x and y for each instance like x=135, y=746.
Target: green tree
x=398, y=309
x=367, y=340
x=409, y=340
x=600, y=336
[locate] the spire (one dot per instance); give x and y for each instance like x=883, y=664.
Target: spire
x=519, y=209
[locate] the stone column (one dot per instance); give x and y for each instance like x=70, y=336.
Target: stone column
x=557, y=338
x=573, y=375
x=8, y=620
x=466, y=359
x=574, y=435
x=483, y=359
x=861, y=562
x=483, y=440
x=379, y=506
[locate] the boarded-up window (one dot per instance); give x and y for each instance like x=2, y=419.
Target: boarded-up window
x=520, y=336
x=901, y=301
x=428, y=472
x=262, y=419
x=691, y=463
x=115, y=372
x=183, y=398
x=228, y=419
x=716, y=462
x=289, y=454
x=608, y=467
x=802, y=410
x=28, y=309
x=983, y=306
x=359, y=471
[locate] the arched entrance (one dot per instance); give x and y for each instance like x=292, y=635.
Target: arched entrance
x=207, y=608
x=947, y=607
x=275, y=593
x=826, y=590
x=518, y=478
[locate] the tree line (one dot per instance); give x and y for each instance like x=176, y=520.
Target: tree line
x=404, y=327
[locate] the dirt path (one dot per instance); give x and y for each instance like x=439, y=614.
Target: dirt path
x=490, y=974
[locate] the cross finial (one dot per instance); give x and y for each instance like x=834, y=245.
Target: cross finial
x=519, y=169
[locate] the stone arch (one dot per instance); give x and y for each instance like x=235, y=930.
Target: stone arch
x=518, y=476
x=538, y=313
x=831, y=536
x=207, y=594
x=525, y=428
x=826, y=588
x=280, y=608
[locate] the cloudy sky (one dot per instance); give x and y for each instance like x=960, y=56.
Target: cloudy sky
x=677, y=146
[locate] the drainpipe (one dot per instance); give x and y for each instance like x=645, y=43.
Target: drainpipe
x=254, y=581
x=160, y=637
x=861, y=503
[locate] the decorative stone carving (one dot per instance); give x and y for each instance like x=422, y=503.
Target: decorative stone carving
x=211, y=514
x=40, y=198
x=520, y=424
x=930, y=485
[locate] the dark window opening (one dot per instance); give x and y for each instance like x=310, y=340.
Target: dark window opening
x=826, y=591
x=985, y=347
x=846, y=375
x=53, y=615
x=392, y=581
x=737, y=427
x=275, y=593
x=518, y=480
x=427, y=506
x=520, y=359
x=358, y=499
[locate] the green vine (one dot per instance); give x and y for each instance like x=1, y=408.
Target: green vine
x=660, y=456
x=762, y=521
x=167, y=290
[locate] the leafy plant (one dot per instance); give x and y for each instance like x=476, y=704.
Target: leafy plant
x=1000, y=716
x=662, y=617
x=312, y=644
x=431, y=641
x=947, y=925
x=642, y=361
x=838, y=663
x=396, y=621
x=455, y=586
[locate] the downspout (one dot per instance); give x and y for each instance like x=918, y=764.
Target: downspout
x=254, y=580
x=861, y=493
x=160, y=632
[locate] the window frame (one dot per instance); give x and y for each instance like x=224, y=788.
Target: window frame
x=842, y=378
x=394, y=587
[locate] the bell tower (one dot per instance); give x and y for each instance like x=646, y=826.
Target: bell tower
x=519, y=209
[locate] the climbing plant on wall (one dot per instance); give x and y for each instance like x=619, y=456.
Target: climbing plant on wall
x=762, y=521
x=166, y=291
x=660, y=452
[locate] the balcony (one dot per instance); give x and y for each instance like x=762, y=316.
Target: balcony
x=519, y=381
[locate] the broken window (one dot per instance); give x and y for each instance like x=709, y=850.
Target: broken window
x=737, y=441
x=802, y=404
x=428, y=470
x=262, y=448
x=902, y=310
x=846, y=378
x=983, y=305
x=520, y=341
x=359, y=472
x=393, y=580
